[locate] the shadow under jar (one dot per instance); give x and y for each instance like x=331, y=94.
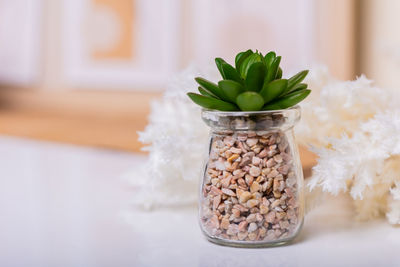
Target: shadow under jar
x=252, y=189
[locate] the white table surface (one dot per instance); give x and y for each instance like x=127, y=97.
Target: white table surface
x=65, y=205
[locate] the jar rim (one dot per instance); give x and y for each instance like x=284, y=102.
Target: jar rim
x=252, y=120
x=295, y=108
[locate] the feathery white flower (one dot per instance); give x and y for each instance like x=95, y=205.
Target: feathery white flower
x=354, y=129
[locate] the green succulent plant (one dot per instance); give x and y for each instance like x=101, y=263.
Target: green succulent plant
x=254, y=84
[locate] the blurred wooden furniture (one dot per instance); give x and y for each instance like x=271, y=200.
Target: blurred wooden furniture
x=94, y=118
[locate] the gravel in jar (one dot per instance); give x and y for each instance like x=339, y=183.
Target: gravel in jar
x=250, y=189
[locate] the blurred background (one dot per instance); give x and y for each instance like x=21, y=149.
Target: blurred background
x=84, y=71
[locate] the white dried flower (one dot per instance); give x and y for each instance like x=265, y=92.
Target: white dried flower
x=354, y=128
x=177, y=141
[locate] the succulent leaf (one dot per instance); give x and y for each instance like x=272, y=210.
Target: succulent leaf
x=231, y=89
x=297, y=87
x=269, y=58
x=231, y=73
x=241, y=57
x=288, y=100
x=273, y=69
x=212, y=103
x=279, y=73
x=219, y=61
x=255, y=77
x=250, y=101
x=297, y=78
x=244, y=67
x=205, y=92
x=274, y=89
x=210, y=86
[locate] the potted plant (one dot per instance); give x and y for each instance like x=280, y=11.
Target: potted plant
x=252, y=190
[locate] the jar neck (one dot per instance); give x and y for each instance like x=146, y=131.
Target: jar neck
x=274, y=120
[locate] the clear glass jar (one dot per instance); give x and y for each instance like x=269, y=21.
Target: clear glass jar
x=252, y=190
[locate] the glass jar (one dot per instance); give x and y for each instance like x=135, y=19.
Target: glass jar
x=251, y=194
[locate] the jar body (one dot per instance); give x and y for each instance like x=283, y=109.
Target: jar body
x=251, y=194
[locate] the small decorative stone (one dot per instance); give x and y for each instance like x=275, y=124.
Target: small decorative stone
x=255, y=171
x=272, y=140
x=242, y=137
x=243, y=225
x=251, y=141
x=270, y=235
x=278, y=158
x=228, y=192
x=220, y=166
x=276, y=184
x=226, y=181
x=272, y=151
x=236, y=213
x=284, y=169
x=246, y=195
x=238, y=220
x=251, y=134
x=241, y=208
x=263, y=153
x=286, y=157
x=282, y=146
x=252, y=236
x=233, y=229
x=256, y=149
x=228, y=206
x=270, y=217
x=249, y=179
x=224, y=223
x=275, y=203
x=262, y=232
x=251, y=218
x=284, y=224
x=213, y=222
x=238, y=173
x=272, y=174
x=264, y=209
x=256, y=195
x=265, y=171
x=233, y=157
x=255, y=187
x=278, y=233
x=214, y=181
x=245, y=161
x=242, y=182
x=260, y=179
x=259, y=217
x=242, y=235
x=216, y=202
x=277, y=194
x=215, y=191
x=271, y=163
x=280, y=215
x=252, y=227
x=252, y=203
x=256, y=160
x=246, y=168
x=235, y=150
x=229, y=141
x=234, y=200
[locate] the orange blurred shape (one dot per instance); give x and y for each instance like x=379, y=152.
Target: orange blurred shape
x=123, y=11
